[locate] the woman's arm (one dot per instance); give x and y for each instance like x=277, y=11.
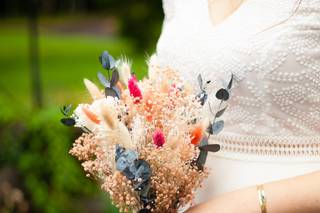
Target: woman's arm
x=295, y=195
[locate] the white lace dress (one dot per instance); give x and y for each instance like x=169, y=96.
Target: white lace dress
x=272, y=124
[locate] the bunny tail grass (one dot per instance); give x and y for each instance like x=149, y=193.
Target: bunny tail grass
x=93, y=90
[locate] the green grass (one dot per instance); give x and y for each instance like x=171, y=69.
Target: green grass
x=64, y=61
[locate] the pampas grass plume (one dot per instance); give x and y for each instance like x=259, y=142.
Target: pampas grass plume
x=124, y=69
x=109, y=116
x=93, y=90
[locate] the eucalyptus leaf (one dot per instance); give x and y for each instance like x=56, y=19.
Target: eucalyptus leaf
x=68, y=108
x=200, y=81
x=130, y=155
x=117, y=90
x=144, y=193
x=119, y=151
x=217, y=127
x=201, y=160
x=143, y=170
x=111, y=92
x=125, y=162
x=129, y=172
x=122, y=163
x=204, y=141
x=139, y=186
x=220, y=112
x=202, y=96
x=230, y=82
x=210, y=148
x=65, y=110
x=68, y=121
x=103, y=80
x=222, y=94
x=209, y=129
x=112, y=62
x=114, y=78
x=147, y=195
x=107, y=60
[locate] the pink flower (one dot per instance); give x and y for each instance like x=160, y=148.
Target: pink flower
x=134, y=89
x=158, y=138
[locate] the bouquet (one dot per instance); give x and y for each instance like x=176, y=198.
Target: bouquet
x=145, y=141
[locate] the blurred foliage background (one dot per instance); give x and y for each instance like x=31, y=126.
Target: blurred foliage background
x=46, y=49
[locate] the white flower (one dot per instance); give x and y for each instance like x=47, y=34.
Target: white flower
x=124, y=69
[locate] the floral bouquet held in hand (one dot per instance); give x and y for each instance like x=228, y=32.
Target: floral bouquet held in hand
x=145, y=141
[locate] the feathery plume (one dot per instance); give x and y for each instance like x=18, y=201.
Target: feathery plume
x=124, y=69
x=109, y=115
x=93, y=90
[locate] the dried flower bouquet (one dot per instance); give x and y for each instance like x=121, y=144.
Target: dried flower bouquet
x=145, y=141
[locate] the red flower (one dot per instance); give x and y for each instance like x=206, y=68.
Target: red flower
x=134, y=89
x=158, y=138
x=196, y=135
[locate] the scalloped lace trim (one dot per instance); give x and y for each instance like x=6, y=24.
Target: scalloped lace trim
x=304, y=148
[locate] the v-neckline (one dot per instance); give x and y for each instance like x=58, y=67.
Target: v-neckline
x=213, y=26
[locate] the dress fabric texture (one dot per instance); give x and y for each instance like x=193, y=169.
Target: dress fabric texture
x=272, y=47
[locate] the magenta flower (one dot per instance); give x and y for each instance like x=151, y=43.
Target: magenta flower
x=134, y=89
x=158, y=138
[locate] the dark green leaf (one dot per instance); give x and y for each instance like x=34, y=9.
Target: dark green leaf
x=222, y=94
x=62, y=110
x=230, y=82
x=220, y=112
x=147, y=195
x=111, y=92
x=143, y=170
x=115, y=78
x=68, y=121
x=210, y=148
x=202, y=158
x=65, y=110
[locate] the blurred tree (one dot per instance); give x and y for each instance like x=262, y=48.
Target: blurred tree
x=34, y=162
x=139, y=20
x=34, y=53
x=33, y=144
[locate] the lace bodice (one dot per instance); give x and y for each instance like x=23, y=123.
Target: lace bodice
x=277, y=90
x=273, y=50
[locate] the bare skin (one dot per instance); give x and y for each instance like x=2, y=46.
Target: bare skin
x=221, y=9
x=294, y=195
